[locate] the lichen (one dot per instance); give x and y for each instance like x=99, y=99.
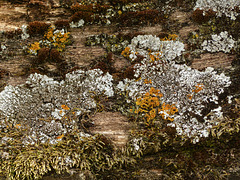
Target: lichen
x=191, y=90
x=220, y=6
x=185, y=122
x=221, y=42
x=41, y=95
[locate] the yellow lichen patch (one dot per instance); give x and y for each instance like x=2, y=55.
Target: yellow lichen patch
x=146, y=81
x=17, y=125
x=57, y=39
x=150, y=105
x=171, y=37
x=198, y=88
x=154, y=56
x=167, y=110
x=195, y=36
x=119, y=12
x=126, y=52
x=65, y=107
x=33, y=49
x=60, y=137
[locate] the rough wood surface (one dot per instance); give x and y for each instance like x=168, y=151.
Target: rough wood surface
x=113, y=125
x=216, y=60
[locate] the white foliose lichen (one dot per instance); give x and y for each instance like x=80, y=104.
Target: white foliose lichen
x=78, y=24
x=189, y=89
x=222, y=42
x=42, y=97
x=142, y=44
x=24, y=34
x=2, y=48
x=221, y=7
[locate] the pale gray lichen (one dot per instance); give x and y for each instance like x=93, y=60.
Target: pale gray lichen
x=221, y=7
x=141, y=44
x=222, y=42
x=40, y=96
x=2, y=48
x=178, y=84
x=78, y=24
x=24, y=34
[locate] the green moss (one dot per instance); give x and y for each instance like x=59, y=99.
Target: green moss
x=34, y=161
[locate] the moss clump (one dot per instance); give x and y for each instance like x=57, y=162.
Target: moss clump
x=78, y=7
x=62, y=24
x=199, y=17
x=144, y=17
x=55, y=56
x=13, y=34
x=86, y=16
x=124, y=2
x=18, y=1
x=94, y=154
x=37, y=28
x=48, y=55
x=42, y=56
x=115, y=12
x=88, y=12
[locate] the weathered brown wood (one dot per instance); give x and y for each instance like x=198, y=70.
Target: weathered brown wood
x=113, y=125
x=215, y=60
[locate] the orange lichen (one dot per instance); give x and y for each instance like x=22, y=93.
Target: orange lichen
x=126, y=52
x=33, y=49
x=65, y=107
x=198, y=88
x=190, y=96
x=146, y=81
x=155, y=92
x=17, y=126
x=167, y=110
x=58, y=40
x=154, y=56
x=170, y=37
x=60, y=137
x=149, y=101
x=150, y=106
